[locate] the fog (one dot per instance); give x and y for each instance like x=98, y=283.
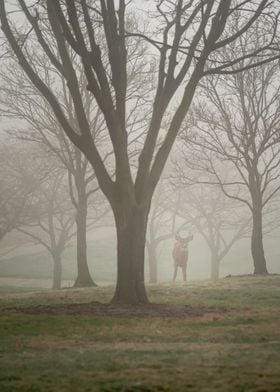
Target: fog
x=29, y=265
x=139, y=195
x=67, y=168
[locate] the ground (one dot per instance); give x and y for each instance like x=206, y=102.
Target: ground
x=140, y=311
x=199, y=336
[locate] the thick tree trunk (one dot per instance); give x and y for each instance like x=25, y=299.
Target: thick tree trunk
x=215, y=266
x=131, y=235
x=257, y=242
x=84, y=278
x=152, y=255
x=57, y=272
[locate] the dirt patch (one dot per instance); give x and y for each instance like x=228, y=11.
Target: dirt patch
x=141, y=311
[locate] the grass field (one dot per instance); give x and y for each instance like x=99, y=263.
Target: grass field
x=237, y=350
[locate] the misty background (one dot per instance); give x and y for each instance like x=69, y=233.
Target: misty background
x=42, y=173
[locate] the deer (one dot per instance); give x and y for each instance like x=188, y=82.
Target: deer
x=180, y=254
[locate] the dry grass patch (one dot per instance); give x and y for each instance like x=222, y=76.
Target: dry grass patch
x=237, y=350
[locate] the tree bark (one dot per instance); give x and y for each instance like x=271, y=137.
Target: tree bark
x=84, y=278
x=152, y=255
x=215, y=265
x=131, y=235
x=257, y=248
x=57, y=272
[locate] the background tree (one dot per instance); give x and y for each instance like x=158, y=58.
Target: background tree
x=162, y=225
x=237, y=126
x=51, y=221
x=187, y=34
x=40, y=126
x=18, y=184
x=220, y=221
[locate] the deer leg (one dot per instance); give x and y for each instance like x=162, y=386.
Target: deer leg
x=175, y=272
x=184, y=270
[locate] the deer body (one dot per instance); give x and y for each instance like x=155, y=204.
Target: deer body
x=180, y=255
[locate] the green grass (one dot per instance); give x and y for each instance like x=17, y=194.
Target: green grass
x=234, y=351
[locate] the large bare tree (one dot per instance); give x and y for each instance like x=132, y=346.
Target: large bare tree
x=38, y=124
x=184, y=36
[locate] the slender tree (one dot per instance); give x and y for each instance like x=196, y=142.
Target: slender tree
x=186, y=34
x=18, y=183
x=51, y=221
x=219, y=221
x=40, y=126
x=162, y=225
x=239, y=129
